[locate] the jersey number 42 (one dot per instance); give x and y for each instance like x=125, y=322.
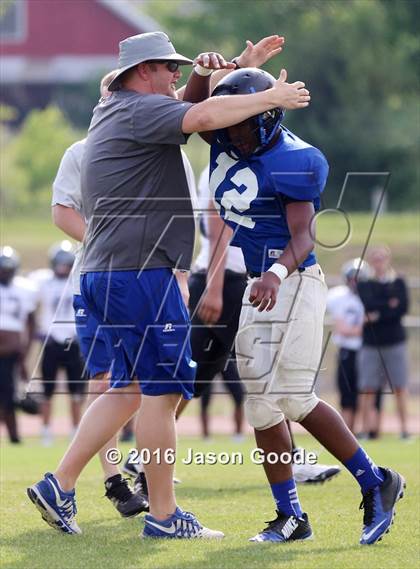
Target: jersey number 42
x=243, y=179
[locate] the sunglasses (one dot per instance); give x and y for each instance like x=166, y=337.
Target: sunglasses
x=171, y=66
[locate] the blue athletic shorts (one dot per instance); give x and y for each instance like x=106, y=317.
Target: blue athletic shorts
x=147, y=327
x=92, y=342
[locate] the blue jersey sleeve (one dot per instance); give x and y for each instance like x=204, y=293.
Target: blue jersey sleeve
x=306, y=178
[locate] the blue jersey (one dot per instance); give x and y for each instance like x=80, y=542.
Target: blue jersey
x=251, y=194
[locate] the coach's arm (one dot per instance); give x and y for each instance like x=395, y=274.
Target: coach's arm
x=224, y=111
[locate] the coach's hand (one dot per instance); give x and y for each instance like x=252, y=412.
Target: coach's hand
x=258, y=54
x=264, y=292
x=213, y=60
x=290, y=95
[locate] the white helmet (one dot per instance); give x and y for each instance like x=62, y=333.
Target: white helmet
x=356, y=268
x=61, y=254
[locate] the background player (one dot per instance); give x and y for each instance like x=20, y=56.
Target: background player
x=348, y=314
x=17, y=327
x=267, y=183
x=57, y=331
x=217, y=283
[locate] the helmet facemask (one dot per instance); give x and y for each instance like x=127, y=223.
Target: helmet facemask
x=251, y=136
x=241, y=141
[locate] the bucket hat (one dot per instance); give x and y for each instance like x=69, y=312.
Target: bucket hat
x=150, y=46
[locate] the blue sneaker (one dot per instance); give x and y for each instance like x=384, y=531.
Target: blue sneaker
x=181, y=525
x=285, y=528
x=57, y=508
x=379, y=506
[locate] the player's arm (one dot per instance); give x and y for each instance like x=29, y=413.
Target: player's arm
x=70, y=221
x=30, y=331
x=252, y=56
x=219, y=235
x=299, y=219
x=198, y=87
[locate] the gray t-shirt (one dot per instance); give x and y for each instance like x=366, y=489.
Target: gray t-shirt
x=66, y=191
x=134, y=189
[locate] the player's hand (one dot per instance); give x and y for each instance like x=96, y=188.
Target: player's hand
x=290, y=95
x=264, y=291
x=258, y=54
x=210, y=306
x=213, y=60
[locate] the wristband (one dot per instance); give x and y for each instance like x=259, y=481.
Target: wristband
x=279, y=270
x=203, y=71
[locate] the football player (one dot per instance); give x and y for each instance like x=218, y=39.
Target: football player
x=348, y=314
x=17, y=323
x=267, y=185
x=217, y=285
x=58, y=334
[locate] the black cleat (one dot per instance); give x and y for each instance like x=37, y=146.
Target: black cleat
x=140, y=486
x=125, y=501
x=378, y=504
x=285, y=528
x=130, y=467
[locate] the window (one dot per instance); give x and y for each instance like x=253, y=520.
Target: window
x=12, y=20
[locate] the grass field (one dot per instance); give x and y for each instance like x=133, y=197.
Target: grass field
x=33, y=236
x=233, y=498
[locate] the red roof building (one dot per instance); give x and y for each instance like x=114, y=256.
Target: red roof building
x=45, y=43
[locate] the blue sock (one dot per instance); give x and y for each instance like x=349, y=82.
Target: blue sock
x=364, y=470
x=286, y=498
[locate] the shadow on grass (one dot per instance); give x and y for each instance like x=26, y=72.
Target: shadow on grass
x=255, y=556
x=120, y=547
x=194, y=490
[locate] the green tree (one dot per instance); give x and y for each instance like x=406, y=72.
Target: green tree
x=31, y=158
x=358, y=57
